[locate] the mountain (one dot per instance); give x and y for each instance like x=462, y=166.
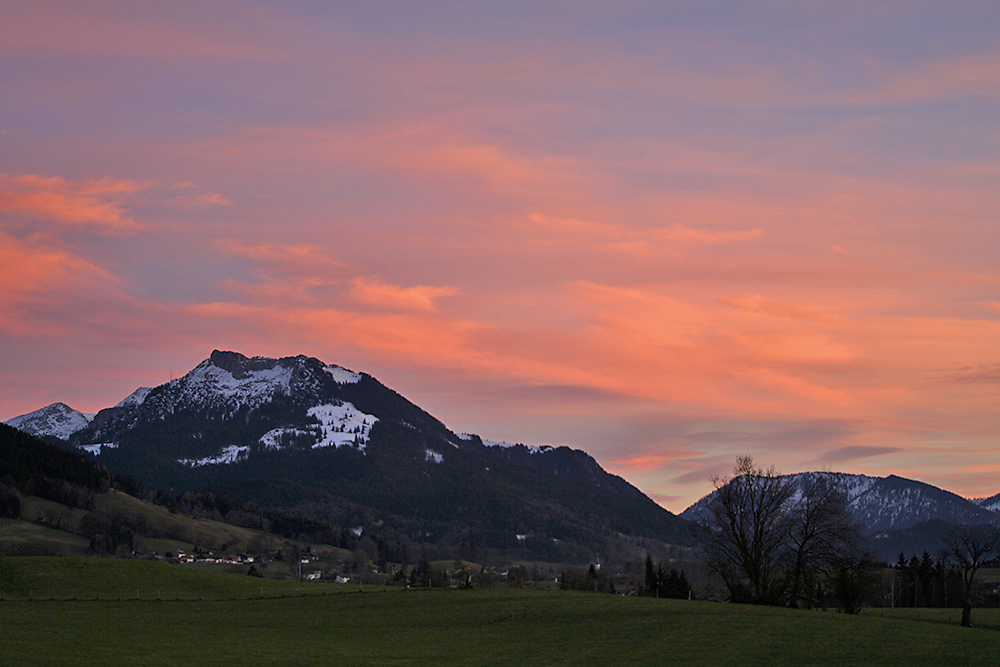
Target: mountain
x=57, y=420
x=881, y=504
x=297, y=435
x=992, y=503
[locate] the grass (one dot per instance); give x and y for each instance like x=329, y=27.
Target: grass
x=981, y=618
x=15, y=535
x=436, y=627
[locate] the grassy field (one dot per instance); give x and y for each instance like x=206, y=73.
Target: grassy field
x=981, y=618
x=15, y=534
x=340, y=625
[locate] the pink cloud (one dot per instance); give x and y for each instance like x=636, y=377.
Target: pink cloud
x=298, y=258
x=373, y=292
x=37, y=276
x=194, y=201
x=628, y=237
x=55, y=199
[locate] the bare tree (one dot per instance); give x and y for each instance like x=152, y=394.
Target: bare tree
x=820, y=534
x=750, y=531
x=972, y=547
x=771, y=538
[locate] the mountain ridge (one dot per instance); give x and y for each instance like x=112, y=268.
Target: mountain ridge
x=880, y=504
x=317, y=438
x=300, y=435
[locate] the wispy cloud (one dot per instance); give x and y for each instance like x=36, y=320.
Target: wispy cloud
x=845, y=454
x=95, y=203
x=373, y=292
x=756, y=303
x=194, y=201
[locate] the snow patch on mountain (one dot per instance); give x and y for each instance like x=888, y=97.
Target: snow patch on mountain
x=531, y=448
x=342, y=375
x=230, y=454
x=135, y=398
x=209, y=384
x=57, y=420
x=95, y=449
x=433, y=457
x=342, y=424
x=280, y=438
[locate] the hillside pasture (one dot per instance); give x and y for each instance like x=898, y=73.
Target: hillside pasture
x=24, y=538
x=48, y=528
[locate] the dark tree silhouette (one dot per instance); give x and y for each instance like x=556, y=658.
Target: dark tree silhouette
x=972, y=547
x=772, y=540
x=820, y=534
x=750, y=531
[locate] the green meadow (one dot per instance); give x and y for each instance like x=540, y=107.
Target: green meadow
x=202, y=617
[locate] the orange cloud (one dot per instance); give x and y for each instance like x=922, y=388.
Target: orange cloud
x=67, y=202
x=38, y=277
x=645, y=462
x=373, y=292
x=755, y=303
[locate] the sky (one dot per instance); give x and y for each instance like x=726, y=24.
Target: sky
x=666, y=233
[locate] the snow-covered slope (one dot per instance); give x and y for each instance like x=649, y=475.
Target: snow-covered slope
x=879, y=504
x=135, y=398
x=231, y=406
x=992, y=503
x=58, y=420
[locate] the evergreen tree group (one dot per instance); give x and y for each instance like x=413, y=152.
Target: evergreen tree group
x=663, y=584
x=926, y=582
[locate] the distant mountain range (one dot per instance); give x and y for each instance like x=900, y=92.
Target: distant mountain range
x=297, y=435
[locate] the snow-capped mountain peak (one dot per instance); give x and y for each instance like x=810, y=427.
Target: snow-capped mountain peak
x=57, y=420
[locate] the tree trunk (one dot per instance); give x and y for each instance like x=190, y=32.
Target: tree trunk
x=967, y=615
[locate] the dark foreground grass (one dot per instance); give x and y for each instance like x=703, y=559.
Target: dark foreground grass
x=478, y=627
x=988, y=618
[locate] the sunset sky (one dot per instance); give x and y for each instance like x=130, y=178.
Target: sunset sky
x=665, y=233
